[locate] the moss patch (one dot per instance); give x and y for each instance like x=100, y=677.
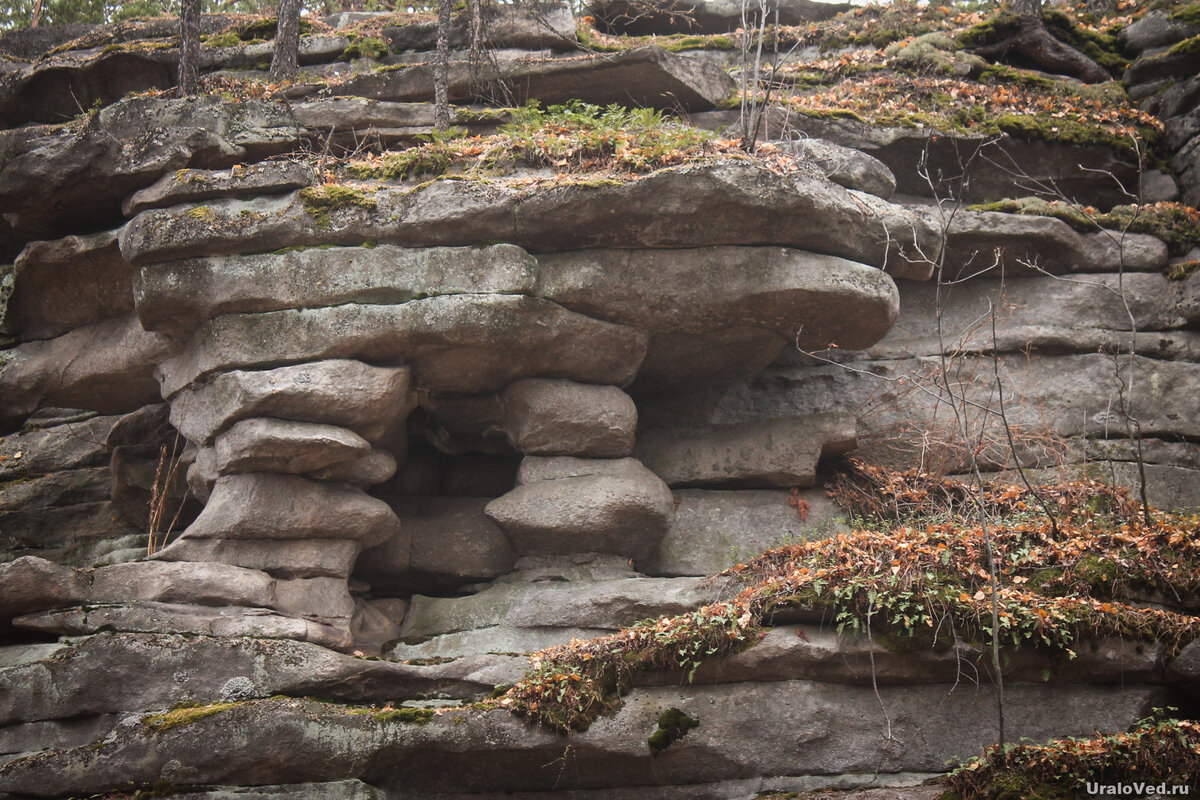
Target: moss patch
x=366, y=47
x=185, y=715
x=1187, y=47
x=321, y=201
x=673, y=725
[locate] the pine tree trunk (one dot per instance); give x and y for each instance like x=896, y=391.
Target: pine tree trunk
x=189, y=47
x=287, y=41
x=37, y=14
x=441, y=69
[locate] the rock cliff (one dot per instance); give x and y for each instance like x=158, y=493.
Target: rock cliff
x=315, y=422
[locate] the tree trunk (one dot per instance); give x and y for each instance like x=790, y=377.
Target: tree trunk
x=189, y=48
x=1032, y=43
x=37, y=14
x=287, y=41
x=441, y=69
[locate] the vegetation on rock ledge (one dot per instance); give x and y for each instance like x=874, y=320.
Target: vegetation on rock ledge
x=915, y=567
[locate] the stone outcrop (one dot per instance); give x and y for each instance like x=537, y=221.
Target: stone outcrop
x=274, y=432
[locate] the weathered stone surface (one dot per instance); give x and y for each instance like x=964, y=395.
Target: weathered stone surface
x=694, y=301
x=594, y=604
x=714, y=530
x=300, y=558
x=369, y=400
x=845, y=166
x=62, y=178
x=1153, y=29
x=263, y=444
x=802, y=728
x=375, y=467
x=66, y=284
x=729, y=203
x=762, y=453
x=455, y=343
x=644, y=76
x=1069, y=168
x=493, y=639
x=558, y=417
x=35, y=584
x=147, y=617
x=1184, y=670
x=703, y=16
x=265, y=506
x=1029, y=244
x=1070, y=395
x=1043, y=312
x=333, y=790
x=533, y=27
x=1164, y=65
x=568, y=505
x=444, y=543
x=812, y=652
x=203, y=583
x=74, y=444
x=178, y=296
x=126, y=672
x=105, y=367
x=193, y=185
x=32, y=737
x=80, y=535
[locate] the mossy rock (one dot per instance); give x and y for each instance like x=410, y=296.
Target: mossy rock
x=673, y=725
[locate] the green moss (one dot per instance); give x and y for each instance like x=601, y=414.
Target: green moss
x=201, y=212
x=673, y=725
x=1064, y=130
x=412, y=716
x=1188, y=15
x=185, y=715
x=1181, y=270
x=321, y=201
x=366, y=47
x=227, y=39
x=685, y=43
x=1187, y=47
x=989, y=31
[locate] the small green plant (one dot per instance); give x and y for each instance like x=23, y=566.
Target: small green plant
x=365, y=47
x=673, y=725
x=185, y=714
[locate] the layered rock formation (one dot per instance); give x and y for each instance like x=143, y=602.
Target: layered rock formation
x=396, y=435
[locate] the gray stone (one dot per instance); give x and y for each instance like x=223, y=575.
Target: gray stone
x=192, y=185
x=1184, y=670
x=262, y=444
x=220, y=621
x=1153, y=29
x=1158, y=186
x=1043, y=312
x=540, y=26
x=38, y=450
x=178, y=296
x=704, y=16
x=333, y=790
x=300, y=558
x=758, y=454
x=589, y=604
x=105, y=367
x=78, y=535
x=987, y=242
x=727, y=203
x=35, y=584
x=455, y=343
x=493, y=639
x=124, y=672
x=559, y=417
x=202, y=473
x=715, y=530
x=274, y=507
x=32, y=737
x=568, y=505
x=1160, y=65
x=845, y=166
x=62, y=285
x=198, y=583
x=697, y=302
x=368, y=400
x=444, y=543
x=646, y=76
x=375, y=467
x=801, y=728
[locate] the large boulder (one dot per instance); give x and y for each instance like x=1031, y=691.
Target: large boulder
x=178, y=296
x=105, y=366
x=369, y=400
x=195, y=185
x=293, y=558
x=455, y=343
x=35, y=584
x=575, y=505
x=273, y=445
x=758, y=454
x=288, y=507
x=544, y=417
x=536, y=26
x=66, y=284
x=732, y=202
x=703, y=16
x=719, y=313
